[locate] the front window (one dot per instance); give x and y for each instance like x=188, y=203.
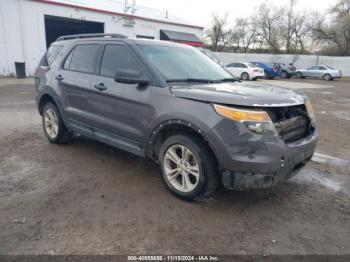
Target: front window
x=183, y=63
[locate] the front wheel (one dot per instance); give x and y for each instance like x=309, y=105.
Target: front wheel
x=189, y=168
x=284, y=75
x=54, y=128
x=299, y=75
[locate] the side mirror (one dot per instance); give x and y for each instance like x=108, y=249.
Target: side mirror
x=129, y=76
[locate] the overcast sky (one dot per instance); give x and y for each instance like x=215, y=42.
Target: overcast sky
x=200, y=11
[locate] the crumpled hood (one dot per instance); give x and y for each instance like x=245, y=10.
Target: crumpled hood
x=241, y=94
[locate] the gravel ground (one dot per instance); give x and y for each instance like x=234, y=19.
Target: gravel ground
x=90, y=198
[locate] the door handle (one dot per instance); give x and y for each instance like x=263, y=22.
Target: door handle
x=59, y=78
x=100, y=87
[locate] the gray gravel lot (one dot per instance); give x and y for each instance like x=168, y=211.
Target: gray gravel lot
x=90, y=198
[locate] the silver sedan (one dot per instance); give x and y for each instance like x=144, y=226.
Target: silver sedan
x=319, y=71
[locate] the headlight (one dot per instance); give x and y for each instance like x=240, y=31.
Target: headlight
x=310, y=111
x=257, y=121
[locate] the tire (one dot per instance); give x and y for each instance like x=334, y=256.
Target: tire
x=255, y=78
x=245, y=76
x=59, y=135
x=327, y=77
x=200, y=158
x=299, y=75
x=266, y=75
x=284, y=74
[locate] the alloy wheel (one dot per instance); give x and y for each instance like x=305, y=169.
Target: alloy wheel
x=181, y=168
x=51, y=123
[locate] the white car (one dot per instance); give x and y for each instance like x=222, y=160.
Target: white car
x=245, y=71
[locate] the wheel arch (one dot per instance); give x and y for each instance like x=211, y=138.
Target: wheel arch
x=46, y=98
x=325, y=74
x=245, y=72
x=172, y=127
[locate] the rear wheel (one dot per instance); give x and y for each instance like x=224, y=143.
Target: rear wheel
x=54, y=128
x=266, y=75
x=189, y=168
x=327, y=77
x=245, y=76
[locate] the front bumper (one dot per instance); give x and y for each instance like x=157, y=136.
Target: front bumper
x=263, y=162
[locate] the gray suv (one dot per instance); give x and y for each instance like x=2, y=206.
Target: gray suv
x=173, y=104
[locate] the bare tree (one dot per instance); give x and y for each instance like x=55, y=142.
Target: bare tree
x=243, y=33
x=217, y=34
x=266, y=23
x=338, y=31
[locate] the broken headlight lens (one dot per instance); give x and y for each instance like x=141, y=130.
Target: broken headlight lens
x=310, y=111
x=257, y=121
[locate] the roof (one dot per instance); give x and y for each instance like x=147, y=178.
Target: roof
x=114, y=7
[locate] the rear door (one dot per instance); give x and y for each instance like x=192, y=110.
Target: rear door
x=321, y=71
x=120, y=111
x=75, y=78
x=232, y=68
x=241, y=68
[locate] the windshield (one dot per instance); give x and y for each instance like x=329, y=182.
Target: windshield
x=330, y=67
x=183, y=63
x=251, y=65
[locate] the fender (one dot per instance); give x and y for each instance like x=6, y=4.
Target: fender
x=54, y=97
x=152, y=138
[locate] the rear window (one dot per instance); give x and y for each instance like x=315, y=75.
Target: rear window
x=82, y=59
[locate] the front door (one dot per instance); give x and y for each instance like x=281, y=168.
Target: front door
x=119, y=110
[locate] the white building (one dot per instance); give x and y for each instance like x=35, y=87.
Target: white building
x=28, y=27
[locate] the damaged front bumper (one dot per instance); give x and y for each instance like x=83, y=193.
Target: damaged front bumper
x=270, y=166
x=245, y=181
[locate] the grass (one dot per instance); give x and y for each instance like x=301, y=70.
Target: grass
x=344, y=78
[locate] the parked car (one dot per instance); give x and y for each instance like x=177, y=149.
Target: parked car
x=269, y=71
x=319, y=71
x=171, y=103
x=245, y=71
x=210, y=54
x=284, y=70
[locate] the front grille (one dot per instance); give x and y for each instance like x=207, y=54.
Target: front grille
x=292, y=123
x=292, y=129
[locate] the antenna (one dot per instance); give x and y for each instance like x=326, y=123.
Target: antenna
x=128, y=19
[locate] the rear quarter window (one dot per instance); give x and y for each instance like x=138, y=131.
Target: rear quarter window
x=52, y=53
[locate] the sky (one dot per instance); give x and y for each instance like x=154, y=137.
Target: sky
x=200, y=11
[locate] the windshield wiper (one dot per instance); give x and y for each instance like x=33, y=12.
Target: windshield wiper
x=193, y=80
x=201, y=80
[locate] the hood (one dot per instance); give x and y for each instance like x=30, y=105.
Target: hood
x=240, y=94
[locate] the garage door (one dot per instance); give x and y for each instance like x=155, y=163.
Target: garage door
x=56, y=26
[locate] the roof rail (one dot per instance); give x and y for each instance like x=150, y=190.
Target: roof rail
x=68, y=37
